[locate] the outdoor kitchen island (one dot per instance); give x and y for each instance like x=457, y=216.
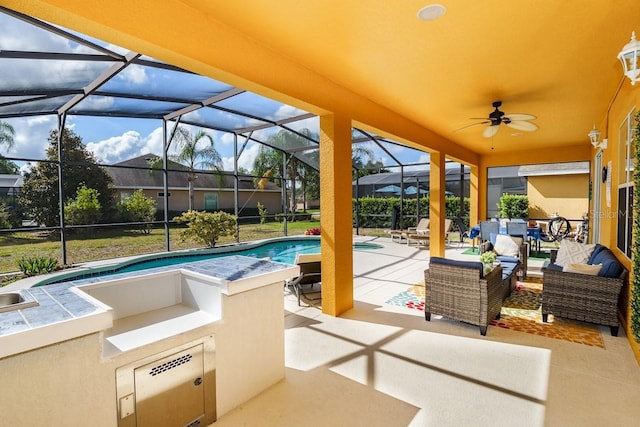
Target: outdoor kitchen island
x=183, y=343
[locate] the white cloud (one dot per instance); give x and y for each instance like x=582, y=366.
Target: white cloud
x=286, y=111
x=31, y=136
x=134, y=74
x=246, y=158
x=126, y=146
x=117, y=148
x=98, y=103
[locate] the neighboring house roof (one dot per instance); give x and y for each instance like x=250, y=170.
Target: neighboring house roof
x=132, y=174
x=11, y=180
x=10, y=184
x=410, y=176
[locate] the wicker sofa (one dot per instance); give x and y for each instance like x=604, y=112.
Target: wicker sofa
x=460, y=290
x=585, y=297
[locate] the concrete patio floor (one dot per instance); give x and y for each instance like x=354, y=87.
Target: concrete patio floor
x=383, y=365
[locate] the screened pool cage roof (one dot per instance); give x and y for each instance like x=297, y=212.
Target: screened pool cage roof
x=61, y=72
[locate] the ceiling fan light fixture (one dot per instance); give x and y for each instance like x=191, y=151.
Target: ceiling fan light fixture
x=431, y=12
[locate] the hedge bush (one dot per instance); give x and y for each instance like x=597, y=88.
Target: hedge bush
x=376, y=212
x=514, y=206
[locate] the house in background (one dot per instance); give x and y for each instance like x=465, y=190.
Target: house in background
x=212, y=191
x=561, y=188
x=10, y=185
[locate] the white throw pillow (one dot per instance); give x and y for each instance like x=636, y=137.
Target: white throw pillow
x=571, y=252
x=507, y=245
x=589, y=269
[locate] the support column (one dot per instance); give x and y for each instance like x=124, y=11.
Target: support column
x=483, y=183
x=474, y=195
x=437, y=211
x=335, y=214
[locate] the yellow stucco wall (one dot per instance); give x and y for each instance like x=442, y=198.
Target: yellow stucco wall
x=568, y=195
x=623, y=103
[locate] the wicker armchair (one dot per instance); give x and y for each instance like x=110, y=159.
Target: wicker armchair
x=459, y=290
x=581, y=297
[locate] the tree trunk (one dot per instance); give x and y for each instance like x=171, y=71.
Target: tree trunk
x=191, y=198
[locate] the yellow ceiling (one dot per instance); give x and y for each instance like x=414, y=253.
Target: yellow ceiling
x=375, y=59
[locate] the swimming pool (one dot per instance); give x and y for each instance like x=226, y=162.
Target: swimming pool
x=280, y=250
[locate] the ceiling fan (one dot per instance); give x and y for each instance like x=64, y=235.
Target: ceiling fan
x=496, y=117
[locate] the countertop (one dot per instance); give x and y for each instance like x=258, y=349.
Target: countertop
x=63, y=305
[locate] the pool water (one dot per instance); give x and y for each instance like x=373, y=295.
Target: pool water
x=284, y=251
x=276, y=251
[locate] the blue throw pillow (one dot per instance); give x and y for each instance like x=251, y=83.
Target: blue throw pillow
x=554, y=267
x=599, y=248
x=492, y=238
x=611, y=267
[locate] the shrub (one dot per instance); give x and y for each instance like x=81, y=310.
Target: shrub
x=377, y=212
x=138, y=208
x=207, y=227
x=85, y=208
x=263, y=212
x=32, y=266
x=8, y=217
x=514, y=206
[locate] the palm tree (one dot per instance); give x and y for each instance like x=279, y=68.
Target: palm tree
x=269, y=162
x=6, y=134
x=194, y=155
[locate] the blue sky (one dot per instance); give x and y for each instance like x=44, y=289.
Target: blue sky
x=112, y=140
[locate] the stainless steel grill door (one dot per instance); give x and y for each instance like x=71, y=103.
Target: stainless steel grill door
x=169, y=391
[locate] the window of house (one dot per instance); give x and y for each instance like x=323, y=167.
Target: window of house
x=210, y=201
x=626, y=155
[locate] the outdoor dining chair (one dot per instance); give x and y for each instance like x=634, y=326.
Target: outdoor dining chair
x=519, y=229
x=488, y=227
x=464, y=233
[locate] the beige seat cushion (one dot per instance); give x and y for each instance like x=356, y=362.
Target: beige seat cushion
x=302, y=258
x=589, y=269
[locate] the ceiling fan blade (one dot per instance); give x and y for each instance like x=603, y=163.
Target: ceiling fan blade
x=490, y=131
x=517, y=116
x=523, y=126
x=471, y=125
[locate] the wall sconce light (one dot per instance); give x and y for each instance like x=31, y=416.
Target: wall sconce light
x=594, y=137
x=629, y=58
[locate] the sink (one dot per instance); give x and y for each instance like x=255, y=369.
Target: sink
x=10, y=298
x=16, y=301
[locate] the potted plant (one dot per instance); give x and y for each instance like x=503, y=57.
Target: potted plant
x=487, y=259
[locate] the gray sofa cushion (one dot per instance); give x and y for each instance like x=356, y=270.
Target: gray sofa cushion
x=456, y=263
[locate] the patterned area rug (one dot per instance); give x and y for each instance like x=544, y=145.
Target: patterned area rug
x=522, y=312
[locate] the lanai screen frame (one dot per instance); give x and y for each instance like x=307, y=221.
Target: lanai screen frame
x=75, y=100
